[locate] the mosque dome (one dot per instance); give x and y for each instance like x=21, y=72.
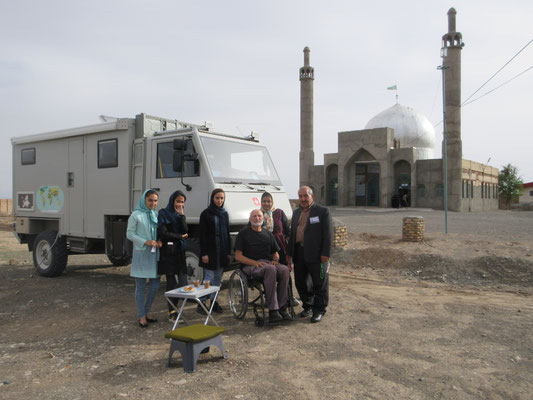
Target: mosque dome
x=410, y=127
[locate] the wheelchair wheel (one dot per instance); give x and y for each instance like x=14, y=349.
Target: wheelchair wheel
x=238, y=294
x=259, y=322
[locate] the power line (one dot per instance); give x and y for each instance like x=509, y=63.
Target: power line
x=497, y=87
x=497, y=72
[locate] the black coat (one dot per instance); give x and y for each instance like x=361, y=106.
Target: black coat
x=208, y=243
x=318, y=234
x=172, y=256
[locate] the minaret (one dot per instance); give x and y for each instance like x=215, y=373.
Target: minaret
x=307, y=155
x=452, y=44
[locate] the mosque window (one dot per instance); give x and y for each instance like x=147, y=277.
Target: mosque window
x=463, y=189
x=467, y=186
x=471, y=189
x=421, y=190
x=482, y=186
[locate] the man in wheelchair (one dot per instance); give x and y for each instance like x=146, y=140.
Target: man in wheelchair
x=256, y=248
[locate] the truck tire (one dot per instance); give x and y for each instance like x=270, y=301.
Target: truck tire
x=50, y=254
x=119, y=261
x=192, y=260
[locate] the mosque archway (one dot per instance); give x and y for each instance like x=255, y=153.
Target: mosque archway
x=402, y=182
x=362, y=178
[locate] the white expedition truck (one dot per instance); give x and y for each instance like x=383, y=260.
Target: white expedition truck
x=74, y=189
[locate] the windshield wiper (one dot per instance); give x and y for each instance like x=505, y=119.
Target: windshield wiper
x=264, y=184
x=237, y=183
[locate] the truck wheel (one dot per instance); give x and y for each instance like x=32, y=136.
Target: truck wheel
x=119, y=261
x=192, y=260
x=50, y=254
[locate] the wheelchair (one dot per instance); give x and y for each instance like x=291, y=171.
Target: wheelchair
x=239, y=297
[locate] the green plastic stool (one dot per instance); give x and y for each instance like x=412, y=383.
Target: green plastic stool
x=191, y=340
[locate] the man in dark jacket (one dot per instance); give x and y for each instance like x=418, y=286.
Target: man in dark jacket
x=310, y=249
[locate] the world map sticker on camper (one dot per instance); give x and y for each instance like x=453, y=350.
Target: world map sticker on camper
x=50, y=199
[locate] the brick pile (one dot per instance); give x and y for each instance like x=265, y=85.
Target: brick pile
x=413, y=229
x=340, y=236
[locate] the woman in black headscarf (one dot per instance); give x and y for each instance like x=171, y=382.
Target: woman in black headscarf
x=215, y=244
x=172, y=232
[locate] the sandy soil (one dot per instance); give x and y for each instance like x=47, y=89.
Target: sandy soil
x=448, y=318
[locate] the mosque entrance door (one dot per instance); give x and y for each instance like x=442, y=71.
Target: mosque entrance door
x=367, y=184
x=333, y=191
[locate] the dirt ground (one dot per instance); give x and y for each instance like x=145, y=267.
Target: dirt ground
x=449, y=318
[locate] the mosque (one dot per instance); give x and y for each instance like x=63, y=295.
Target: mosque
x=390, y=162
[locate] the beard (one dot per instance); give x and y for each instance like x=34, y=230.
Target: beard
x=256, y=223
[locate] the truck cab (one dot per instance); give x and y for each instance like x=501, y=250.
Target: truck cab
x=80, y=185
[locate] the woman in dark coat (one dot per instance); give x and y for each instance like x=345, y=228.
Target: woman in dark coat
x=276, y=222
x=172, y=232
x=215, y=243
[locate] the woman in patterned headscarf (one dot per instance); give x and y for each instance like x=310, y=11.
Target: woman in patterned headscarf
x=142, y=231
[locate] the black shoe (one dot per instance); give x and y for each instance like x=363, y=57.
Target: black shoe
x=200, y=310
x=151, y=319
x=274, y=316
x=295, y=302
x=285, y=315
x=306, y=313
x=145, y=325
x=217, y=308
x=317, y=317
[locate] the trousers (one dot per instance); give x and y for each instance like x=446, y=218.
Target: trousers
x=316, y=297
x=277, y=295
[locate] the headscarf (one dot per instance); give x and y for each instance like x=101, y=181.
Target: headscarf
x=151, y=214
x=169, y=215
x=268, y=221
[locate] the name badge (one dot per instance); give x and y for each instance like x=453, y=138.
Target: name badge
x=170, y=243
x=314, y=220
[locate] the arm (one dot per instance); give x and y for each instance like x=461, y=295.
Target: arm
x=204, y=234
x=327, y=236
x=285, y=223
x=166, y=235
x=131, y=232
x=239, y=257
x=184, y=229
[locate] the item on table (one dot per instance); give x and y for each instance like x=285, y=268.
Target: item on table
x=188, y=289
x=207, y=284
x=196, y=283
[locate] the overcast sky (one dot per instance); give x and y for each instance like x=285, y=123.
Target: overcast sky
x=235, y=63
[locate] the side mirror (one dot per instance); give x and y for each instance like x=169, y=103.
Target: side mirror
x=179, y=144
x=177, y=160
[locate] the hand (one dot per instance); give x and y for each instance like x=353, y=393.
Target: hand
x=324, y=259
x=258, y=264
x=151, y=243
x=179, y=209
x=274, y=262
x=205, y=259
x=289, y=261
x=185, y=236
x=159, y=243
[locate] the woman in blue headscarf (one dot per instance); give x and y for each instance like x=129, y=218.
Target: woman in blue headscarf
x=215, y=243
x=142, y=231
x=172, y=231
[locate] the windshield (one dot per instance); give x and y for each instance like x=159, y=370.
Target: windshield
x=239, y=162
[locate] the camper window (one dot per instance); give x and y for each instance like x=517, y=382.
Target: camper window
x=28, y=156
x=107, y=153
